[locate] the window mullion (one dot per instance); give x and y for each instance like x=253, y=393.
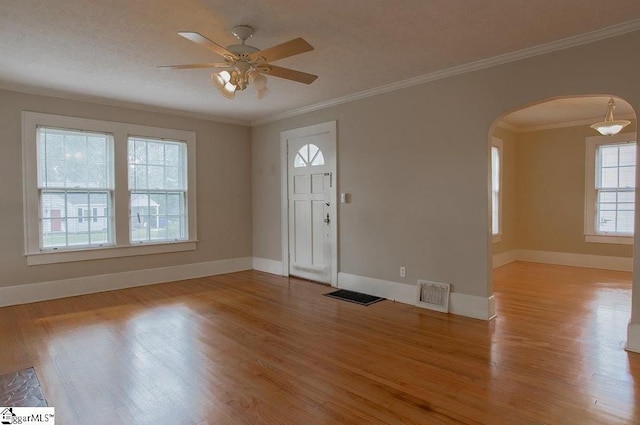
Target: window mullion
x=76, y=163
x=66, y=218
x=89, y=216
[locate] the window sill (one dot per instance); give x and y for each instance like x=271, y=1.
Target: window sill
x=497, y=238
x=612, y=239
x=67, y=256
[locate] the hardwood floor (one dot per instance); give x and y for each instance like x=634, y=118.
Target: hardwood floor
x=254, y=348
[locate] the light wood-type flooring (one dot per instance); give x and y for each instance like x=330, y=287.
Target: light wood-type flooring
x=254, y=348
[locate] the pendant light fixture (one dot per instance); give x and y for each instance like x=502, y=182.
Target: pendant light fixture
x=609, y=126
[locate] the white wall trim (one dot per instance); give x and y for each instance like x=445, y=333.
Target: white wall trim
x=541, y=49
x=610, y=239
x=41, y=291
x=394, y=291
x=508, y=126
x=624, y=264
x=563, y=124
x=81, y=97
x=590, y=37
x=483, y=308
x=578, y=123
x=284, y=204
x=504, y=258
x=633, y=337
x=267, y=265
x=577, y=260
x=66, y=256
x=460, y=304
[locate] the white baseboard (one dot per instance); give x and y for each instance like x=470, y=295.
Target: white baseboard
x=624, y=264
x=461, y=304
x=472, y=306
x=267, y=265
x=504, y=258
x=633, y=337
x=393, y=291
x=41, y=291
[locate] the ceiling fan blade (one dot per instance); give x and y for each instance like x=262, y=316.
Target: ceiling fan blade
x=290, y=74
x=206, y=43
x=197, y=65
x=284, y=50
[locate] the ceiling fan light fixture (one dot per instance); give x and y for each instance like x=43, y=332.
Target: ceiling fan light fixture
x=229, y=90
x=259, y=81
x=220, y=79
x=260, y=93
x=245, y=64
x=609, y=126
x=223, y=81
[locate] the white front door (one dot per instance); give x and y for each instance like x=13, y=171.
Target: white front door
x=311, y=196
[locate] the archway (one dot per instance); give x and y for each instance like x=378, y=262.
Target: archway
x=564, y=217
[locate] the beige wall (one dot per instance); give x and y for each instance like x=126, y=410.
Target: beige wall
x=551, y=190
x=508, y=239
x=416, y=163
x=223, y=167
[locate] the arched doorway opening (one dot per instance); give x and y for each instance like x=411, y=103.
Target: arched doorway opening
x=562, y=194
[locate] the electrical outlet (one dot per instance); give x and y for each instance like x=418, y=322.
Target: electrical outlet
x=403, y=272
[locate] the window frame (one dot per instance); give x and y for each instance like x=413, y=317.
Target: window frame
x=311, y=159
x=122, y=246
x=590, y=206
x=498, y=144
x=182, y=168
x=53, y=188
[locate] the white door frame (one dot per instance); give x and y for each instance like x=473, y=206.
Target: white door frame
x=327, y=127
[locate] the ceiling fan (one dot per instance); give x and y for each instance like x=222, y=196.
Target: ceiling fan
x=246, y=64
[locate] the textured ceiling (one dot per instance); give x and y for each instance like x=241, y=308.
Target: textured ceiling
x=109, y=50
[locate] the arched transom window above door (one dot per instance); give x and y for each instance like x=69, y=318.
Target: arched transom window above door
x=308, y=155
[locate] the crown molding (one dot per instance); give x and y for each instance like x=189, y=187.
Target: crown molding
x=611, y=31
x=564, y=124
x=565, y=43
x=42, y=91
x=509, y=127
x=586, y=121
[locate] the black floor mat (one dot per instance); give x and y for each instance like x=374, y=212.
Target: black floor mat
x=354, y=297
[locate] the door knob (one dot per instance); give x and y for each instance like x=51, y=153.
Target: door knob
x=326, y=220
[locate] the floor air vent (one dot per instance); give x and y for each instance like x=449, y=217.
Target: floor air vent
x=433, y=295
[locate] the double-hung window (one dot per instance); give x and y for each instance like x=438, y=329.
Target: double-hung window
x=496, y=194
x=610, y=189
x=157, y=190
x=100, y=189
x=75, y=188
